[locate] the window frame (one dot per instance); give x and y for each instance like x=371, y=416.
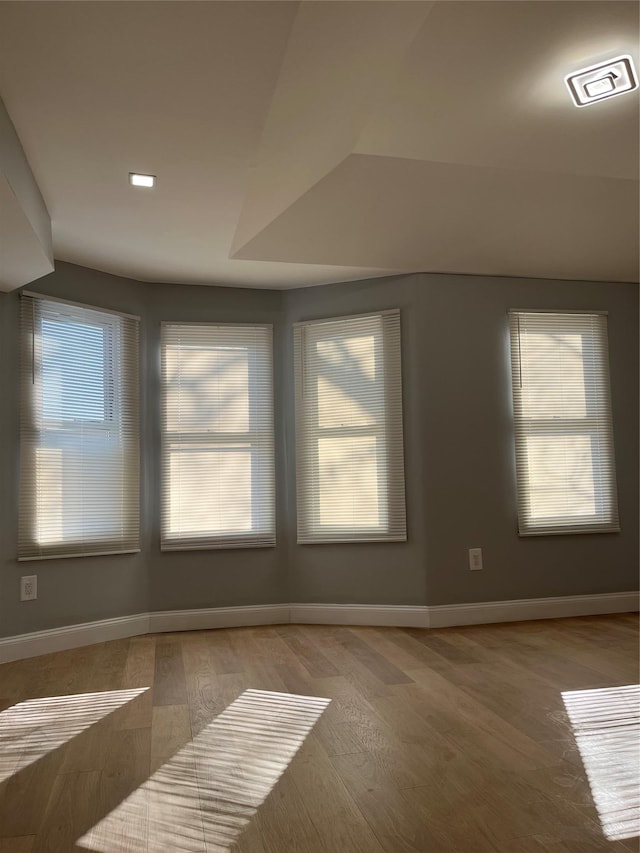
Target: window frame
x=309, y=432
x=42, y=432
x=606, y=519
x=263, y=534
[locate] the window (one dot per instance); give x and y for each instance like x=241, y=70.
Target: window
x=564, y=438
x=350, y=467
x=79, y=432
x=217, y=441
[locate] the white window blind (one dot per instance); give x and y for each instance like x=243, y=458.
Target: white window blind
x=79, y=431
x=563, y=430
x=349, y=442
x=217, y=447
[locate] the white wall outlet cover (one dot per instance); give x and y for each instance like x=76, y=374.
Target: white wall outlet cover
x=604, y=80
x=475, y=559
x=28, y=587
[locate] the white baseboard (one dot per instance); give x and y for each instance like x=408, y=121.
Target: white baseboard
x=219, y=617
x=394, y=615
x=441, y=616
x=72, y=637
x=521, y=610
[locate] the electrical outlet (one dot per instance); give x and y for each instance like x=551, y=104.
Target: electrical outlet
x=475, y=559
x=28, y=587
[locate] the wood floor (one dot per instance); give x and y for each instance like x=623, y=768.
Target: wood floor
x=443, y=740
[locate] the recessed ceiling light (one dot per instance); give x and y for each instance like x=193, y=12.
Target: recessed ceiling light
x=605, y=80
x=141, y=180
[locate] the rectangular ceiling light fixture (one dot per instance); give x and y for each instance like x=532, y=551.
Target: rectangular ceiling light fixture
x=605, y=80
x=137, y=180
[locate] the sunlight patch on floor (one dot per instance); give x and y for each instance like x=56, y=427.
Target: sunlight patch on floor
x=31, y=729
x=606, y=726
x=203, y=797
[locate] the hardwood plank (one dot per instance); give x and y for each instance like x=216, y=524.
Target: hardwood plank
x=338, y=736
x=421, y=653
x=403, y=764
x=67, y=672
x=611, y=661
x=363, y=680
x=109, y=665
x=138, y=672
x=379, y=665
x=170, y=731
x=169, y=684
x=250, y=841
x=451, y=816
x=307, y=652
x=551, y=667
x=284, y=822
x=72, y=810
x=203, y=685
x=127, y=768
x=394, y=823
x=381, y=640
x=441, y=645
x=89, y=749
x=271, y=646
x=24, y=844
x=24, y=796
x=225, y=660
x=468, y=715
x=511, y=693
x=324, y=793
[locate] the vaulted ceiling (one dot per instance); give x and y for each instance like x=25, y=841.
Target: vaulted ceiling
x=302, y=143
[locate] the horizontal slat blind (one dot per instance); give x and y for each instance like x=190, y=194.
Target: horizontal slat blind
x=563, y=431
x=217, y=436
x=349, y=440
x=79, y=431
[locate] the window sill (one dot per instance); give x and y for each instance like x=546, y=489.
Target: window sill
x=567, y=531
x=79, y=554
x=215, y=546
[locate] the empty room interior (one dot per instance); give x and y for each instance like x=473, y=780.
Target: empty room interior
x=319, y=441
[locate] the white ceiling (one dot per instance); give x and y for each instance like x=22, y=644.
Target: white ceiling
x=302, y=143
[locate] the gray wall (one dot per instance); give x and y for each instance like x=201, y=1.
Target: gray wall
x=458, y=452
